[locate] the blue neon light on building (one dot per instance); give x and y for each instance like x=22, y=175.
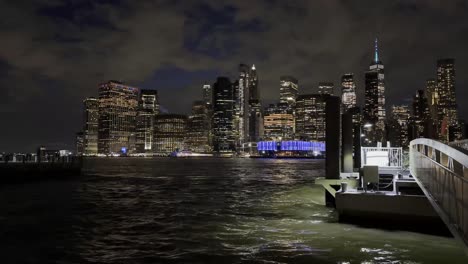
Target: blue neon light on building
x=293, y=145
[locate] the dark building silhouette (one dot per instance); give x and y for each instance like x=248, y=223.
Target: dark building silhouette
x=223, y=115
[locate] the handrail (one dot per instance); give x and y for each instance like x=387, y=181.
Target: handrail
x=455, y=154
x=441, y=172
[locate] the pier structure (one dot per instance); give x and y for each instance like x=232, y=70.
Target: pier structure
x=430, y=193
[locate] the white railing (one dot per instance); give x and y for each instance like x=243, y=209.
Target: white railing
x=391, y=158
x=442, y=173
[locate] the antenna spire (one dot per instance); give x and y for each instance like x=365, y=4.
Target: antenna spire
x=376, y=56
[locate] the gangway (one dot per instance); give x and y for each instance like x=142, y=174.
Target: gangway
x=441, y=171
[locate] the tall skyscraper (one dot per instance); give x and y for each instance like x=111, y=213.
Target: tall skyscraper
x=242, y=106
x=421, y=115
x=207, y=94
x=223, y=115
x=90, y=129
x=198, y=128
x=310, y=117
x=255, y=116
x=325, y=88
x=432, y=96
x=288, y=90
x=278, y=123
x=447, y=103
x=169, y=133
x=118, y=104
x=348, y=88
x=446, y=90
x=148, y=108
x=374, y=108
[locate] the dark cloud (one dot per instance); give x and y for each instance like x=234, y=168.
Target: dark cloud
x=54, y=53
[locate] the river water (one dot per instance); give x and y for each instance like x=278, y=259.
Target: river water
x=195, y=211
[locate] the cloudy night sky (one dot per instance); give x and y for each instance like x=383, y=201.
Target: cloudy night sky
x=54, y=53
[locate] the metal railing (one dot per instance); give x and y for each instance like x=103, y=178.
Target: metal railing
x=384, y=157
x=442, y=173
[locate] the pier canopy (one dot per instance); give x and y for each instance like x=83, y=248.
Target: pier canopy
x=442, y=173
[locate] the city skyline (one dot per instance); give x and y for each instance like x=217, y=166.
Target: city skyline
x=55, y=95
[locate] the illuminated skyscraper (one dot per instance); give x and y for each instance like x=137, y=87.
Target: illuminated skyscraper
x=446, y=90
x=325, y=88
x=310, y=117
x=374, y=108
x=148, y=108
x=90, y=129
x=169, y=133
x=242, y=106
x=288, y=90
x=207, y=94
x=447, y=103
x=348, y=88
x=198, y=128
x=118, y=104
x=432, y=96
x=278, y=123
x=223, y=116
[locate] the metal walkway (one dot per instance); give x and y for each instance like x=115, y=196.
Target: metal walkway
x=442, y=173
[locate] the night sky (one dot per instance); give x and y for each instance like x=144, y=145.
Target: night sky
x=54, y=53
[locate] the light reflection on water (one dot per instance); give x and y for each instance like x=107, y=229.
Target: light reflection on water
x=196, y=211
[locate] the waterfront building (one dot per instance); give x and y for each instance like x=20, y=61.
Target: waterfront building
x=348, y=88
x=118, y=104
x=148, y=108
x=197, y=138
x=288, y=90
x=223, y=116
x=291, y=148
x=310, y=117
x=169, y=133
x=325, y=88
x=374, y=108
x=278, y=123
x=90, y=127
